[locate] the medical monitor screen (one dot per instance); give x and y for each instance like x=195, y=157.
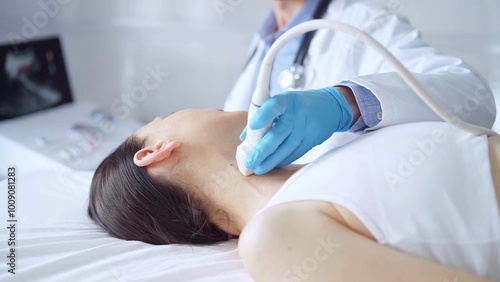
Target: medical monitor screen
x=32, y=77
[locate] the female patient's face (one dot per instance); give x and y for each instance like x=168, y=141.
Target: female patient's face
x=194, y=127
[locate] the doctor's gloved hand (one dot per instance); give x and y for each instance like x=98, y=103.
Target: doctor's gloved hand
x=302, y=120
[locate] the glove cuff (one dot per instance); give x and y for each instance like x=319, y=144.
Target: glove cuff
x=344, y=109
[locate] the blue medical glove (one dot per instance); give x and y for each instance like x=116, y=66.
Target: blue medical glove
x=302, y=120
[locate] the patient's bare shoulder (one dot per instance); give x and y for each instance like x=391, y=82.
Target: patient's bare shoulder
x=350, y=220
x=302, y=240
x=340, y=214
x=494, y=153
x=334, y=211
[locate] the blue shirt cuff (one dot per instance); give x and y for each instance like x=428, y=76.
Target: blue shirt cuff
x=369, y=106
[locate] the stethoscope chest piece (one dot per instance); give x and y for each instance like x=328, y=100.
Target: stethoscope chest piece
x=293, y=78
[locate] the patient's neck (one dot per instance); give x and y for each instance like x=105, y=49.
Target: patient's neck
x=238, y=196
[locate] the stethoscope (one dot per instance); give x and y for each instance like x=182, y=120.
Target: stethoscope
x=294, y=78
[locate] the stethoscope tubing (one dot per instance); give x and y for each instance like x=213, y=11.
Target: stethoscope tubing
x=305, y=42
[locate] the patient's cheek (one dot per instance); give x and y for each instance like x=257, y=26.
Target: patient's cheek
x=158, y=173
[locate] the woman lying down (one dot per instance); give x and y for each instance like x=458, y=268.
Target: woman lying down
x=416, y=202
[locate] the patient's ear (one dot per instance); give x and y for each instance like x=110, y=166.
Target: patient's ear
x=159, y=152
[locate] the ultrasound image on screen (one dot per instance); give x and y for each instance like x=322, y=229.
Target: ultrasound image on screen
x=32, y=78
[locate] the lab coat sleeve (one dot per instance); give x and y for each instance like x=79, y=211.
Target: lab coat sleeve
x=453, y=83
x=240, y=96
x=369, y=106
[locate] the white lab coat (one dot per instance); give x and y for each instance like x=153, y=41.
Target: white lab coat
x=334, y=57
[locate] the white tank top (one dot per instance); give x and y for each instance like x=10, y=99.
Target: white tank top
x=423, y=188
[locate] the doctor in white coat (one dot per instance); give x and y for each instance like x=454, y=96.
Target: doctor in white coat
x=367, y=93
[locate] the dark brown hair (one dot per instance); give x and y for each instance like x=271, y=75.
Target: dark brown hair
x=131, y=205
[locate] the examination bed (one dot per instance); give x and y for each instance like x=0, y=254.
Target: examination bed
x=57, y=241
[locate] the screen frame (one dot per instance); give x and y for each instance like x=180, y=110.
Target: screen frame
x=60, y=79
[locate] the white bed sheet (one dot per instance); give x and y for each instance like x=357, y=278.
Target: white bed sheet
x=57, y=241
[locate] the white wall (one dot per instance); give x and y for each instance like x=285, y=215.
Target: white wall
x=109, y=44
x=469, y=29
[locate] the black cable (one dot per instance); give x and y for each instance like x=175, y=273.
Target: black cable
x=306, y=40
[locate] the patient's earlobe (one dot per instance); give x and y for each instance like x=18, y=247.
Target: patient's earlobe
x=159, y=152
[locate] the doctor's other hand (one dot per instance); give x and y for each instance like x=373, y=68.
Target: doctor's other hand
x=301, y=120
